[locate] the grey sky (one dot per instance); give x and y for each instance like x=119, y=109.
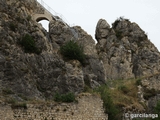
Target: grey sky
x=86, y=13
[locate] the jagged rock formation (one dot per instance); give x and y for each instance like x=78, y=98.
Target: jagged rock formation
x=41, y=76
x=125, y=50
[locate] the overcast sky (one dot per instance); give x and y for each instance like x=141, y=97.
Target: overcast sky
x=86, y=13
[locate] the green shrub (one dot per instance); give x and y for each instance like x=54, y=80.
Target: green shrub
x=12, y=27
x=10, y=100
x=23, y=97
x=7, y=91
x=69, y=97
x=19, y=105
x=119, y=34
x=148, y=93
x=29, y=44
x=108, y=104
x=29, y=17
x=72, y=50
x=19, y=19
x=139, y=82
x=157, y=109
x=124, y=89
x=114, y=25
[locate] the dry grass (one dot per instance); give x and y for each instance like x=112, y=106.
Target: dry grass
x=119, y=94
x=127, y=96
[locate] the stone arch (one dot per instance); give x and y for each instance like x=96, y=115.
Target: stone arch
x=39, y=17
x=42, y=18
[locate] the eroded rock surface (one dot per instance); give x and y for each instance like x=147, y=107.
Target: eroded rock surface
x=126, y=50
x=123, y=51
x=40, y=76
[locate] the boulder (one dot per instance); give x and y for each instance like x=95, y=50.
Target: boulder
x=102, y=30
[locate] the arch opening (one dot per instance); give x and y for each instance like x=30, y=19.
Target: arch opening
x=45, y=24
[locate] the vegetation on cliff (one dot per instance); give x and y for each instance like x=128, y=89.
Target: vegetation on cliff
x=29, y=44
x=72, y=50
x=124, y=49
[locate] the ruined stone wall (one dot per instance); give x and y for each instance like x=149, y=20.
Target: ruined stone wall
x=88, y=107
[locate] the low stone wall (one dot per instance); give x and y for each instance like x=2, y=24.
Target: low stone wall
x=88, y=107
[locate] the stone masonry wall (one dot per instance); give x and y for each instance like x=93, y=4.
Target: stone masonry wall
x=88, y=107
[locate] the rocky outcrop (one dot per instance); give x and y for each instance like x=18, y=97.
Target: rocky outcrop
x=123, y=51
x=151, y=91
x=59, y=33
x=40, y=76
x=126, y=50
x=102, y=31
x=94, y=71
x=32, y=75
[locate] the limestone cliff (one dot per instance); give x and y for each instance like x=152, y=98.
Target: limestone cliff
x=126, y=50
x=40, y=76
x=127, y=53
x=123, y=51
